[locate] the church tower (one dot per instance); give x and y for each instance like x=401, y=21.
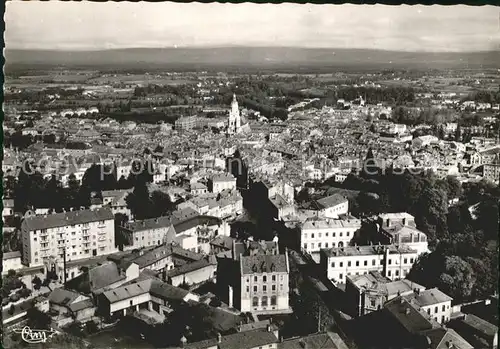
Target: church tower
x=234, y=124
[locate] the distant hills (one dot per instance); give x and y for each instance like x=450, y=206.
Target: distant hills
x=252, y=57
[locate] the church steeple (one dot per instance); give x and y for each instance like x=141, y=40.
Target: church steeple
x=234, y=125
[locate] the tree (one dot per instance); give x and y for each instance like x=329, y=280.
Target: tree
x=161, y=203
x=139, y=201
x=37, y=283
x=38, y=319
x=458, y=278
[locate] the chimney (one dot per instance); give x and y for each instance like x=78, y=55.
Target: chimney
x=401, y=300
x=268, y=328
x=183, y=341
x=450, y=345
x=407, y=311
x=219, y=338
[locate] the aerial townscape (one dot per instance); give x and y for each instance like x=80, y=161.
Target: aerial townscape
x=248, y=197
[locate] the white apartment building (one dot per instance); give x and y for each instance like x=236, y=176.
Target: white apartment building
x=332, y=206
x=436, y=303
x=82, y=234
x=264, y=283
x=222, y=182
x=316, y=234
x=392, y=261
x=400, y=228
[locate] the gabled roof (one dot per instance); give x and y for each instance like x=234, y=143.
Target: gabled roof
x=442, y=338
x=480, y=325
x=248, y=340
x=330, y=201
x=104, y=275
x=314, y=341
x=63, y=297
x=408, y=315
x=428, y=297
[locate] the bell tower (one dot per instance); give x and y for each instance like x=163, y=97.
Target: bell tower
x=234, y=124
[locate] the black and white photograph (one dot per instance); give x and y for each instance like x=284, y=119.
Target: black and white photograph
x=250, y=176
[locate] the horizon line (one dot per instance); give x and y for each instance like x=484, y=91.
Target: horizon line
x=194, y=47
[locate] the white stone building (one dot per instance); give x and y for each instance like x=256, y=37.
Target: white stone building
x=81, y=234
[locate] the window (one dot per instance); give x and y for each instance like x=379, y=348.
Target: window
x=248, y=280
x=373, y=262
x=273, y=277
x=319, y=235
x=390, y=261
x=405, y=261
x=333, y=234
x=349, y=263
x=248, y=289
x=273, y=300
x=357, y=263
x=357, y=273
x=255, y=288
x=341, y=264
x=326, y=244
x=264, y=301
x=264, y=278
x=312, y=236
x=273, y=287
x=397, y=272
x=131, y=303
x=411, y=260
x=312, y=245
x=305, y=246
x=255, y=301
x=389, y=273
x=347, y=234
x=255, y=278
x=333, y=264
x=281, y=287
x=444, y=307
x=341, y=276
x=435, y=310
x=365, y=263
x=372, y=303
x=429, y=311
x=319, y=245
x=264, y=288
x=326, y=234
x=340, y=234
x=442, y=319
x=381, y=261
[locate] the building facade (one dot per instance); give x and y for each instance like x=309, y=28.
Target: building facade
x=80, y=234
x=234, y=122
x=316, y=234
x=392, y=261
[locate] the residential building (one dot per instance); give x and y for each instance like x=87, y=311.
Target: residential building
x=317, y=233
x=185, y=123
x=220, y=182
x=255, y=278
x=8, y=208
x=476, y=331
x=80, y=234
x=116, y=200
x=392, y=261
x=150, y=294
x=196, y=272
x=393, y=228
x=491, y=172
x=434, y=302
x=369, y=292
x=11, y=261
x=331, y=206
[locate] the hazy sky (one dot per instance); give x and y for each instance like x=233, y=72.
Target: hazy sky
x=89, y=25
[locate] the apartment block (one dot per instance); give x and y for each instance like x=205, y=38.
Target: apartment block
x=392, y=261
x=80, y=234
x=316, y=234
